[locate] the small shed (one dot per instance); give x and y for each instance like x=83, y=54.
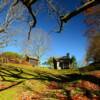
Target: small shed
x=32, y=61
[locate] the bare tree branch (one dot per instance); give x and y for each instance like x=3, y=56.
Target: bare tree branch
x=77, y=11
x=29, y=33
x=55, y=10
x=33, y=16
x=67, y=16
x=61, y=19
x=28, y=4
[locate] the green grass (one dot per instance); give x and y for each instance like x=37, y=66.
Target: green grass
x=9, y=94
x=33, y=80
x=19, y=66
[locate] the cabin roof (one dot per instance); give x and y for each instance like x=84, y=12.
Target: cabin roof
x=62, y=58
x=29, y=57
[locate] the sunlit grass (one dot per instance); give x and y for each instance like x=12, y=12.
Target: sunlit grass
x=9, y=94
x=43, y=69
x=35, y=81
x=20, y=65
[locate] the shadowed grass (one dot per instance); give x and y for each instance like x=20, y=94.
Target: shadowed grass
x=19, y=79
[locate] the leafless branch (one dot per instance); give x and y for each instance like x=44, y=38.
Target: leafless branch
x=77, y=11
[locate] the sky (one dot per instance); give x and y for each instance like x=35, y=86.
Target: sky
x=70, y=40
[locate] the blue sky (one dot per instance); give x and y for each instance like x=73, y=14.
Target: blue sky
x=71, y=39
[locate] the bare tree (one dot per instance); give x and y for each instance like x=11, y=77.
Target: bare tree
x=6, y=29
x=38, y=44
x=32, y=6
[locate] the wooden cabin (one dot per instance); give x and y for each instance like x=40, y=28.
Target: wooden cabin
x=27, y=60
x=32, y=61
x=62, y=63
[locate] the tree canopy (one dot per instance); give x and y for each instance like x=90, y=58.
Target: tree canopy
x=93, y=34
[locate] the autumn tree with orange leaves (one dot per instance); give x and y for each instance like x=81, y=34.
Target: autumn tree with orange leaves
x=93, y=34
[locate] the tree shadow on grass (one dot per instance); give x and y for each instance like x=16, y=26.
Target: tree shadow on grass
x=74, y=77
x=69, y=78
x=10, y=86
x=20, y=75
x=48, y=76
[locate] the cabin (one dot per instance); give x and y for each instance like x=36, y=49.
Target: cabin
x=32, y=61
x=62, y=63
x=26, y=60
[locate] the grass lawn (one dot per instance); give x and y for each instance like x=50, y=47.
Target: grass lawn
x=22, y=82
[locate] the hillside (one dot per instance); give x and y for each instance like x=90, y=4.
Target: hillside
x=28, y=83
